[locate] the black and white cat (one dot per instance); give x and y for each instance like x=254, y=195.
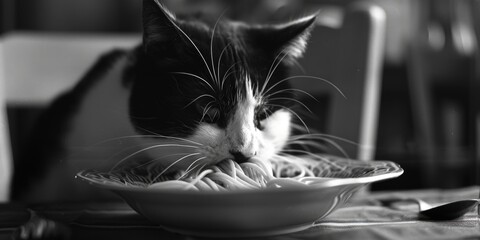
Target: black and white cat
x=192, y=94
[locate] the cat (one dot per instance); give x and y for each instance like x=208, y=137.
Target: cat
x=191, y=94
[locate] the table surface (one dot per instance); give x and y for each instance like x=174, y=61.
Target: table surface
x=363, y=218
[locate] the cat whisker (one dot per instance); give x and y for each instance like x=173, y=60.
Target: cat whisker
x=191, y=128
x=293, y=112
x=211, y=47
x=315, y=156
x=169, y=137
x=188, y=38
x=141, y=136
x=215, y=116
x=124, y=151
x=293, y=90
x=157, y=159
x=306, y=76
x=322, y=136
x=275, y=61
x=147, y=130
x=227, y=74
x=275, y=64
x=199, y=97
x=205, y=110
x=292, y=159
x=307, y=143
x=201, y=168
x=267, y=112
x=299, y=127
x=116, y=155
x=295, y=159
x=191, y=167
x=218, y=64
x=198, y=77
x=294, y=100
x=171, y=165
x=149, y=148
x=337, y=146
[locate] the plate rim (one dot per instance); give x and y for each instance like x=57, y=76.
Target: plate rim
x=328, y=183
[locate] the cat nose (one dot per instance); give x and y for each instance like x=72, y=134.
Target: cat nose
x=240, y=157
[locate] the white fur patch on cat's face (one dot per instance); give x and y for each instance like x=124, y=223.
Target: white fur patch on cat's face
x=240, y=135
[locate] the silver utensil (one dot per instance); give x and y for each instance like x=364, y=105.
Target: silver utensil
x=446, y=211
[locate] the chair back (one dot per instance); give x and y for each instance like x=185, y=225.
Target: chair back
x=34, y=69
x=347, y=52
x=5, y=158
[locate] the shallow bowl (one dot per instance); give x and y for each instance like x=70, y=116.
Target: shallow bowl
x=249, y=213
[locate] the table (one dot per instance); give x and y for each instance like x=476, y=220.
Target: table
x=363, y=218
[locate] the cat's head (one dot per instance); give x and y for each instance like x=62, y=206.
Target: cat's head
x=214, y=91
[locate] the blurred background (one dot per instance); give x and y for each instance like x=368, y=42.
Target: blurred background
x=429, y=118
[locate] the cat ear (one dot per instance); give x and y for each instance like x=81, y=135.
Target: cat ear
x=289, y=39
x=159, y=26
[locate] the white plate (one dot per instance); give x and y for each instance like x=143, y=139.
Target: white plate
x=248, y=213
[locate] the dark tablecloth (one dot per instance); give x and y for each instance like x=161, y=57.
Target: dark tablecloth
x=363, y=218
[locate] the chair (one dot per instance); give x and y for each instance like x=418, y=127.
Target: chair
x=347, y=50
x=5, y=159
x=36, y=68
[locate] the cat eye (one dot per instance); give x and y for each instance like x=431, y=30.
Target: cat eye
x=211, y=115
x=258, y=124
x=261, y=113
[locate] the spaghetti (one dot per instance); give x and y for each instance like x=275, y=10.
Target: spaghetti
x=279, y=172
